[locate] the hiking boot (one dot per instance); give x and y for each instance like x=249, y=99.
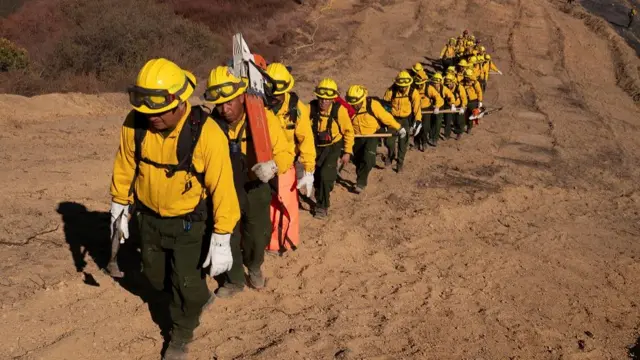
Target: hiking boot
x=176, y=351
x=399, y=168
x=358, y=189
x=387, y=162
x=229, y=289
x=458, y=137
x=320, y=213
x=256, y=279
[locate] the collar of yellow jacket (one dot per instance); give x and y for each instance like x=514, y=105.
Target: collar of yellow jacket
x=284, y=107
x=183, y=119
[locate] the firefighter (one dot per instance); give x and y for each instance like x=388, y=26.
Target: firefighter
x=170, y=194
x=405, y=102
x=334, y=139
x=369, y=119
x=253, y=180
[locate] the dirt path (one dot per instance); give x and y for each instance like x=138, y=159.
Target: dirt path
x=518, y=242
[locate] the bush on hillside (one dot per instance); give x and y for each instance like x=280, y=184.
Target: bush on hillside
x=127, y=35
x=12, y=57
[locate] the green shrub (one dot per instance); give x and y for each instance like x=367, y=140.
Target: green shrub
x=12, y=57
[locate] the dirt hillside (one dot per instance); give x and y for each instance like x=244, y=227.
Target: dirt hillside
x=518, y=242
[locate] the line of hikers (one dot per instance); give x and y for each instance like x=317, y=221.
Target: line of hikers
x=203, y=201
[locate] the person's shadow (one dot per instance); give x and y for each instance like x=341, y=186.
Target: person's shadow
x=87, y=233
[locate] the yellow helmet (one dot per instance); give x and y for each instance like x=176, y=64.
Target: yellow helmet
x=451, y=69
x=472, y=37
x=452, y=41
x=480, y=58
x=437, y=78
x=463, y=63
x=487, y=57
x=161, y=85
x=483, y=49
x=473, y=60
x=223, y=86
x=474, y=52
x=450, y=78
x=326, y=89
x=468, y=74
x=282, y=79
x=356, y=94
x=403, y=79
x=417, y=67
x=420, y=78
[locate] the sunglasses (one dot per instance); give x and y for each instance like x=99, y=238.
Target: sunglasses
x=403, y=81
x=227, y=89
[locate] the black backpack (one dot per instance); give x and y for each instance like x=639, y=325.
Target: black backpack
x=187, y=141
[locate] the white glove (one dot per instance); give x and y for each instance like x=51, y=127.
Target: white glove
x=453, y=108
x=265, y=171
x=116, y=210
x=499, y=72
x=219, y=256
x=305, y=184
x=480, y=104
x=418, y=127
x=461, y=111
x=436, y=111
x=402, y=133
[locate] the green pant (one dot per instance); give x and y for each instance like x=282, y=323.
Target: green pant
x=458, y=123
x=165, y=242
x=403, y=144
x=473, y=104
x=252, y=234
x=449, y=121
x=364, y=157
x=435, y=123
x=326, y=173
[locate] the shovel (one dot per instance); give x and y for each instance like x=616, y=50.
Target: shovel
x=118, y=236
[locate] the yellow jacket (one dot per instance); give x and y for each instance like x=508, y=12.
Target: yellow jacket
x=301, y=130
x=283, y=150
x=488, y=66
x=365, y=124
x=341, y=128
x=474, y=91
x=446, y=95
x=402, y=105
x=165, y=195
x=460, y=76
x=431, y=98
x=448, y=51
x=460, y=94
x=477, y=71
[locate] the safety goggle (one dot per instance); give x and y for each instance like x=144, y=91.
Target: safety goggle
x=227, y=89
x=155, y=98
x=276, y=85
x=403, y=81
x=353, y=99
x=326, y=92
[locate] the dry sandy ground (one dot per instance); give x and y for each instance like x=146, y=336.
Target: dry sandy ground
x=518, y=242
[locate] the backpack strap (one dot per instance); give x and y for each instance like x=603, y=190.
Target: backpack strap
x=187, y=141
x=293, y=107
x=315, y=116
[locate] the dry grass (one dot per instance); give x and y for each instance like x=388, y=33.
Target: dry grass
x=93, y=46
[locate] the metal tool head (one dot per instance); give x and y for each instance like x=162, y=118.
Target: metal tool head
x=244, y=66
